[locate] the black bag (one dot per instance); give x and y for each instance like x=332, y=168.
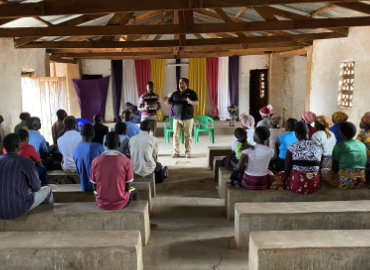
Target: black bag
x=227, y=161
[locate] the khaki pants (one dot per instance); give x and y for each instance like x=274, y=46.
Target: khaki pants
x=178, y=125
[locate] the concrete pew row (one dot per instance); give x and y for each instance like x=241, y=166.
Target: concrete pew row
x=82, y=216
x=62, y=177
x=317, y=249
x=330, y=215
x=217, y=151
x=72, y=193
x=93, y=250
x=235, y=195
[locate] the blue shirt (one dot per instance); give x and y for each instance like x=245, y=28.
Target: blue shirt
x=286, y=140
x=38, y=141
x=83, y=156
x=18, y=178
x=131, y=129
x=336, y=130
x=135, y=111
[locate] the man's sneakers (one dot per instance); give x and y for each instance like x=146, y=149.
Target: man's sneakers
x=175, y=155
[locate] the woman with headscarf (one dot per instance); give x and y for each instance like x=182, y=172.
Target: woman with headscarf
x=326, y=140
x=338, y=118
x=364, y=136
x=349, y=160
x=309, y=118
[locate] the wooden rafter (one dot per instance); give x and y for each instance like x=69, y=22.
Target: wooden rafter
x=361, y=7
x=72, y=22
x=321, y=10
x=67, y=7
x=191, y=42
x=227, y=19
x=240, y=12
x=170, y=29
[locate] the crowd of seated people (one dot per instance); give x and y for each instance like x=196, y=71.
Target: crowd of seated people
x=105, y=161
x=304, y=156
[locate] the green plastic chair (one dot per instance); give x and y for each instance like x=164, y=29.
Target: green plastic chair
x=203, y=122
x=168, y=129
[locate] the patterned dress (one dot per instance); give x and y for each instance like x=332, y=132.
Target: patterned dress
x=304, y=177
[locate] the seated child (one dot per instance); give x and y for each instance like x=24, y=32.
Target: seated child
x=254, y=162
x=241, y=144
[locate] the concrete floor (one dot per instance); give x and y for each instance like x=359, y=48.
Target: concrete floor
x=189, y=229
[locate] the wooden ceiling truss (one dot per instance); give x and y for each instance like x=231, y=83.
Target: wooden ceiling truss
x=149, y=29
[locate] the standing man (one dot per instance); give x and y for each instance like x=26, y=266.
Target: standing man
x=183, y=102
x=149, y=103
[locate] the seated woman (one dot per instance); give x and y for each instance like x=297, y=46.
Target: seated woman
x=302, y=163
x=284, y=141
x=349, y=160
x=326, y=140
x=275, y=132
x=364, y=136
x=254, y=162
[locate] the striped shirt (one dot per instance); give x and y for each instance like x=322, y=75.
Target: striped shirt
x=149, y=103
x=18, y=180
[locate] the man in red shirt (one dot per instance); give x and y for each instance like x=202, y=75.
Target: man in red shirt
x=110, y=173
x=29, y=151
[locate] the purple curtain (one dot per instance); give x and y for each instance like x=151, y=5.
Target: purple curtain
x=234, y=80
x=92, y=96
x=116, y=66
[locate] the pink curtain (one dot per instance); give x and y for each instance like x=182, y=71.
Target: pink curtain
x=142, y=68
x=212, y=78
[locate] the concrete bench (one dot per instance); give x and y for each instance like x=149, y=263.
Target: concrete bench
x=222, y=180
x=217, y=151
x=147, y=179
x=326, y=250
x=335, y=215
x=62, y=177
x=326, y=193
x=71, y=250
x=82, y=216
x=72, y=193
x=217, y=162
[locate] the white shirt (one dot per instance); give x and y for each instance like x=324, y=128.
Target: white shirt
x=327, y=144
x=143, y=151
x=67, y=144
x=258, y=160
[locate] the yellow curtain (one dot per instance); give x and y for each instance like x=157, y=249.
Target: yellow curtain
x=157, y=70
x=198, y=82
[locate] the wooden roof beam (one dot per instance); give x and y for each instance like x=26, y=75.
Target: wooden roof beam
x=299, y=52
x=72, y=22
x=111, y=30
x=191, y=42
x=321, y=10
x=227, y=19
x=67, y=7
x=361, y=7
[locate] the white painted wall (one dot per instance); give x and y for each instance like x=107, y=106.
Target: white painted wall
x=327, y=56
x=12, y=62
x=246, y=64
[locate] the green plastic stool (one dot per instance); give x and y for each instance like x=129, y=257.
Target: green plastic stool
x=203, y=122
x=169, y=130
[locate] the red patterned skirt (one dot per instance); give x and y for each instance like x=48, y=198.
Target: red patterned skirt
x=302, y=182
x=255, y=182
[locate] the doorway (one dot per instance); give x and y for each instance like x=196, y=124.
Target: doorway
x=258, y=92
